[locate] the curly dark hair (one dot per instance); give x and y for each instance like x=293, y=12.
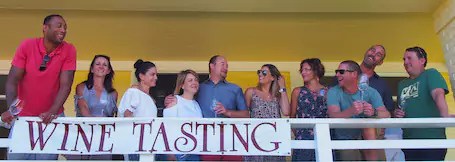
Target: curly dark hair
x=316, y=66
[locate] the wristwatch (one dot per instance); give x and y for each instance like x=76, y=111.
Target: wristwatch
x=282, y=90
x=375, y=115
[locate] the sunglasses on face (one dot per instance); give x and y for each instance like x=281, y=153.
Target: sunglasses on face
x=43, y=65
x=263, y=72
x=342, y=71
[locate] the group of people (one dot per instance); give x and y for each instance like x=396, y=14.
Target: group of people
x=42, y=73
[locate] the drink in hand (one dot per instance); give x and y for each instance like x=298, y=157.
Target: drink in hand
x=14, y=109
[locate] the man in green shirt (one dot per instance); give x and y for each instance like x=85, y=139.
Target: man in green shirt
x=422, y=95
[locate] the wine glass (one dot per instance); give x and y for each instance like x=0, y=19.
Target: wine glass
x=214, y=103
x=363, y=85
x=14, y=109
x=402, y=104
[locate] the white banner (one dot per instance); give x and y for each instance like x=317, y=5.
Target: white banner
x=146, y=135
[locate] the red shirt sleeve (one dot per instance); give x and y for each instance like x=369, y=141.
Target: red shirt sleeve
x=20, y=58
x=70, y=60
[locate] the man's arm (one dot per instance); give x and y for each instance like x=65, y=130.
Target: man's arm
x=439, y=98
x=66, y=80
x=387, y=99
x=294, y=100
x=383, y=112
x=335, y=111
x=80, y=101
x=237, y=113
x=14, y=76
x=242, y=111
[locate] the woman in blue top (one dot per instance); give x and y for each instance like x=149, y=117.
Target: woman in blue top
x=96, y=97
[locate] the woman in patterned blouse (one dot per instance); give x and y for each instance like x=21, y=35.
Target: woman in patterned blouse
x=308, y=101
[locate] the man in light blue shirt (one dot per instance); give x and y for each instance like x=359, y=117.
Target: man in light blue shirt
x=219, y=99
x=228, y=97
x=345, y=100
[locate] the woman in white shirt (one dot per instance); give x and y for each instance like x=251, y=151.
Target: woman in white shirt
x=186, y=87
x=137, y=101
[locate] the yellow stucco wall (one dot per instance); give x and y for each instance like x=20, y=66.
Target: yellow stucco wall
x=240, y=36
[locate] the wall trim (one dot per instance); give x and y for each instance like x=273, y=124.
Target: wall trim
x=390, y=69
x=386, y=69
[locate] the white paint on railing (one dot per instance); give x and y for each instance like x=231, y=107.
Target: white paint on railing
x=376, y=123
x=4, y=142
x=382, y=144
x=323, y=145
x=322, y=142
x=147, y=158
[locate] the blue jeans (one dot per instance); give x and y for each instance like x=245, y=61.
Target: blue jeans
x=28, y=156
x=425, y=154
x=132, y=157
x=187, y=157
x=23, y=156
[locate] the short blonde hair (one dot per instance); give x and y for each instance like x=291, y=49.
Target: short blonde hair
x=181, y=80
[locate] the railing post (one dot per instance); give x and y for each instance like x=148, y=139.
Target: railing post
x=323, y=146
x=147, y=157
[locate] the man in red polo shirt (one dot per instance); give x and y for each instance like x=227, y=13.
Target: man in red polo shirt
x=41, y=75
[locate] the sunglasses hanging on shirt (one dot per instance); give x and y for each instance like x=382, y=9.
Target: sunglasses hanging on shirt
x=43, y=65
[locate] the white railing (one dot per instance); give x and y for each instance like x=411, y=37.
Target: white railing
x=323, y=145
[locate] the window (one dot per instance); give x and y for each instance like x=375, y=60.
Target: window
x=3, y=131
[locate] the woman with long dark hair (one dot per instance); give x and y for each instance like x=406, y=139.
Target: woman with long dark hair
x=96, y=97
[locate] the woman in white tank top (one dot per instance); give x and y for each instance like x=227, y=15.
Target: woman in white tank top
x=186, y=87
